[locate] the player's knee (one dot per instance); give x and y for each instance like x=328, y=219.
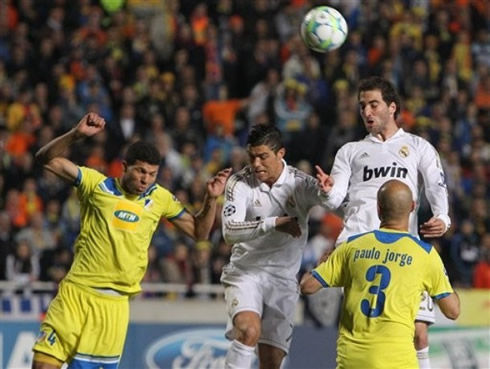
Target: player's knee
x=248, y=334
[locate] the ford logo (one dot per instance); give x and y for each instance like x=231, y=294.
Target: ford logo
x=189, y=349
x=127, y=216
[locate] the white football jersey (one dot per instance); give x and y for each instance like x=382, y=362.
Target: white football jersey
x=249, y=215
x=360, y=168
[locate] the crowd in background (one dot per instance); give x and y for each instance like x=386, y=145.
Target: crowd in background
x=193, y=76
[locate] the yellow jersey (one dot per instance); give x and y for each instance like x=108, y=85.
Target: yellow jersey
x=115, y=231
x=384, y=273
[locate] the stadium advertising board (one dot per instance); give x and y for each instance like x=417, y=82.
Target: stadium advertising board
x=184, y=346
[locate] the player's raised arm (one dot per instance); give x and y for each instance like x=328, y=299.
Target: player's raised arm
x=325, y=182
x=198, y=226
x=52, y=155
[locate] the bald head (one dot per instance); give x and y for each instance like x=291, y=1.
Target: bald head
x=395, y=202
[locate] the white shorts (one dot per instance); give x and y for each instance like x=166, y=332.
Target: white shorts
x=272, y=298
x=426, y=312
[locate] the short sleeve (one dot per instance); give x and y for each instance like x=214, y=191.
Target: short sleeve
x=332, y=272
x=437, y=280
x=87, y=180
x=171, y=207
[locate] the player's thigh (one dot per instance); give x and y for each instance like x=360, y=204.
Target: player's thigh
x=280, y=301
x=243, y=297
x=104, y=332
x=243, y=292
x=62, y=324
x=84, y=326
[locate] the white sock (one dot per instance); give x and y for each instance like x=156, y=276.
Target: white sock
x=423, y=358
x=239, y=356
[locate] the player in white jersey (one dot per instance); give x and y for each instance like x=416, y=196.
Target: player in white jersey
x=265, y=217
x=388, y=152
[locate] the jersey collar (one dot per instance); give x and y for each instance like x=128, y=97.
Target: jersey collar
x=397, y=134
x=280, y=180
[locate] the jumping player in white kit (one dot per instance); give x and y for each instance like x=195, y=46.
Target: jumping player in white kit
x=388, y=152
x=265, y=217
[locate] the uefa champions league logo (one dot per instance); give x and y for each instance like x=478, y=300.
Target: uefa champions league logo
x=189, y=349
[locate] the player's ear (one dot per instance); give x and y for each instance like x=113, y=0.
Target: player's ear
x=281, y=152
x=379, y=212
x=392, y=108
x=125, y=166
x=412, y=208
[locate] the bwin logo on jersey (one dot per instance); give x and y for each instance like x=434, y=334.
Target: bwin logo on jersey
x=389, y=171
x=126, y=216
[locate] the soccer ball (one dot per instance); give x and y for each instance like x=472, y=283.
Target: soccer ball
x=323, y=29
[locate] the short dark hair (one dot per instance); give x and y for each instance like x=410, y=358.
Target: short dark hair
x=265, y=134
x=388, y=91
x=142, y=151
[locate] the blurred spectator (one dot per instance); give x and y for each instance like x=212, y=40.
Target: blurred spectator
x=60, y=264
x=481, y=275
x=37, y=234
x=153, y=271
x=219, y=258
x=201, y=262
x=177, y=268
x=222, y=112
x=262, y=96
x=22, y=264
x=291, y=108
x=17, y=214
x=176, y=73
x=6, y=242
x=465, y=251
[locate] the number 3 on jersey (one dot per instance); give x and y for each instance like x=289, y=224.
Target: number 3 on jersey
x=376, y=290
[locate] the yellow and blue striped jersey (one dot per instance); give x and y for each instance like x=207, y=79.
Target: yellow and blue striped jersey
x=384, y=273
x=115, y=231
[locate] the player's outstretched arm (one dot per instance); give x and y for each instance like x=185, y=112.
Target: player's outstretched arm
x=199, y=226
x=449, y=306
x=52, y=155
x=309, y=284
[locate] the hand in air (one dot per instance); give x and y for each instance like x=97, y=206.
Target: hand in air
x=216, y=185
x=325, y=182
x=90, y=125
x=288, y=225
x=434, y=227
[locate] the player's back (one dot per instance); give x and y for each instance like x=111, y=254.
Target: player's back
x=384, y=273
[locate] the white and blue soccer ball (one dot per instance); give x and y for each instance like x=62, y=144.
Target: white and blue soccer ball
x=323, y=29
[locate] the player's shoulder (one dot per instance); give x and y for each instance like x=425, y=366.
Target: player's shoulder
x=240, y=181
x=156, y=190
x=89, y=179
x=415, y=140
x=297, y=173
x=245, y=176
x=353, y=146
x=357, y=236
x=299, y=176
x=391, y=237
x=86, y=173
